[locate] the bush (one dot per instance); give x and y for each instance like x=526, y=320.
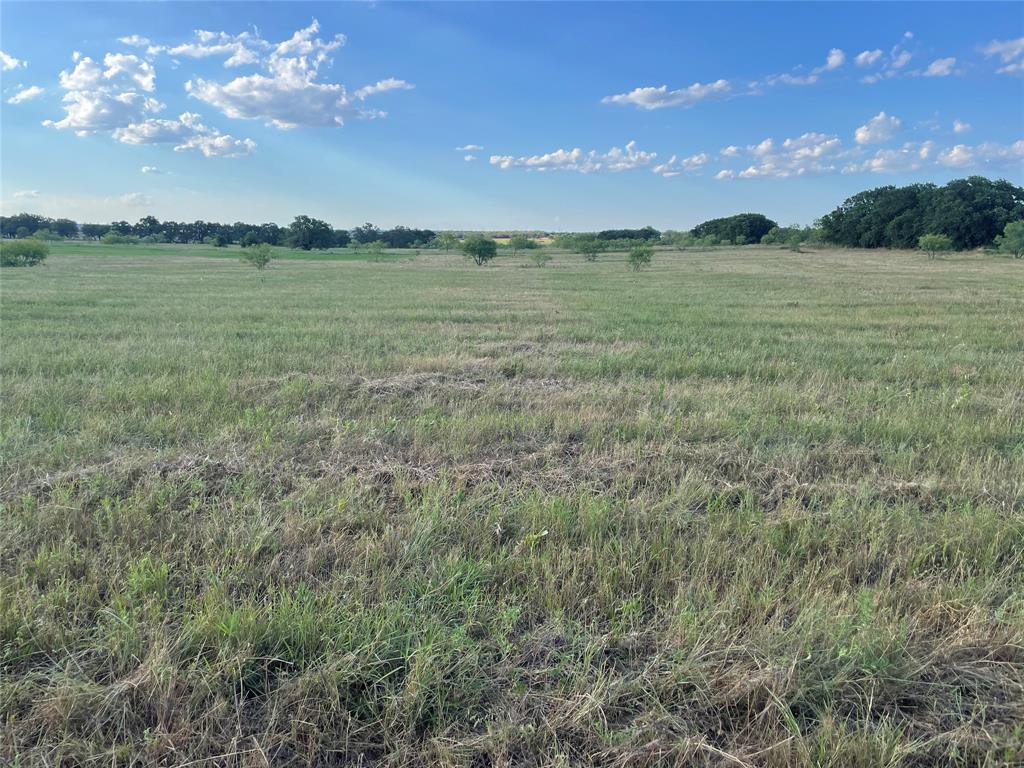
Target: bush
x=113, y=237
x=1011, y=242
x=23, y=253
x=590, y=246
x=258, y=255
x=479, y=248
x=539, y=257
x=933, y=244
x=640, y=256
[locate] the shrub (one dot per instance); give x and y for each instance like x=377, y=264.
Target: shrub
x=23, y=253
x=113, y=237
x=590, y=246
x=640, y=256
x=1012, y=240
x=479, y=248
x=539, y=257
x=933, y=244
x=258, y=255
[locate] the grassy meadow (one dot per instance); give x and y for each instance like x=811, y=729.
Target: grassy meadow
x=747, y=507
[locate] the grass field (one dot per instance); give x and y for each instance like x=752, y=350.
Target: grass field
x=745, y=508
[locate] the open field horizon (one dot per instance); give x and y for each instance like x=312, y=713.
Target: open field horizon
x=747, y=507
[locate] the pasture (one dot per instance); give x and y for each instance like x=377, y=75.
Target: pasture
x=746, y=507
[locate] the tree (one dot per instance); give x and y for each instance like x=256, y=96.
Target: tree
x=539, y=257
x=479, y=248
x=308, y=233
x=640, y=255
x=376, y=249
x=590, y=246
x=258, y=255
x=1012, y=239
x=446, y=240
x=113, y=237
x=217, y=240
x=23, y=253
x=794, y=239
x=749, y=226
x=519, y=243
x=365, y=234
x=933, y=244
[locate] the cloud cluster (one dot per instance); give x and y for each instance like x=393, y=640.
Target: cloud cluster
x=1010, y=53
x=290, y=94
x=114, y=97
x=810, y=153
x=614, y=160
x=678, y=165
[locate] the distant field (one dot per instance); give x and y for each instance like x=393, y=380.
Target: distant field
x=745, y=508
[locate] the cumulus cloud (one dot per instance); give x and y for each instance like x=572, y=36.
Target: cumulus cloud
x=809, y=153
x=961, y=127
x=725, y=174
x=730, y=151
x=26, y=194
x=940, y=67
x=26, y=94
x=986, y=154
x=290, y=95
x=112, y=97
x=677, y=165
x=868, y=58
x=469, y=158
x=835, y=59
x=8, y=62
x=879, y=128
x=649, y=97
x=469, y=148
x=614, y=160
x=149, y=169
x=186, y=133
x=1010, y=53
x=910, y=157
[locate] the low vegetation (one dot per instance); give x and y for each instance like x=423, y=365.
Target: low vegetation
x=758, y=508
x=23, y=253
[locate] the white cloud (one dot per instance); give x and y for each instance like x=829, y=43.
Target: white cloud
x=8, y=62
x=940, y=67
x=879, y=128
x=186, y=133
x=290, y=96
x=900, y=59
x=809, y=153
x=26, y=194
x=961, y=127
x=239, y=50
x=614, y=160
x=957, y=157
x=149, y=169
x=836, y=58
x=135, y=41
x=1010, y=53
x=730, y=151
x=726, y=174
x=469, y=158
x=469, y=148
x=656, y=98
x=25, y=94
x=676, y=165
x=381, y=86
x=868, y=58
x=111, y=98
x=910, y=157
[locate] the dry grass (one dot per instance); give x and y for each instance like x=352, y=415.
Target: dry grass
x=747, y=508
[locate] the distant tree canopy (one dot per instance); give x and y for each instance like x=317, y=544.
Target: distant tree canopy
x=308, y=233
x=971, y=212
x=743, y=228
x=646, y=233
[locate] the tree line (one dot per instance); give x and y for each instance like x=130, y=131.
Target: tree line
x=972, y=212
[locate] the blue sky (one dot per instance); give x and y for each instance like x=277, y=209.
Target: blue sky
x=585, y=115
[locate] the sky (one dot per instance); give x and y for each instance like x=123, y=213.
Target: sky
x=548, y=116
